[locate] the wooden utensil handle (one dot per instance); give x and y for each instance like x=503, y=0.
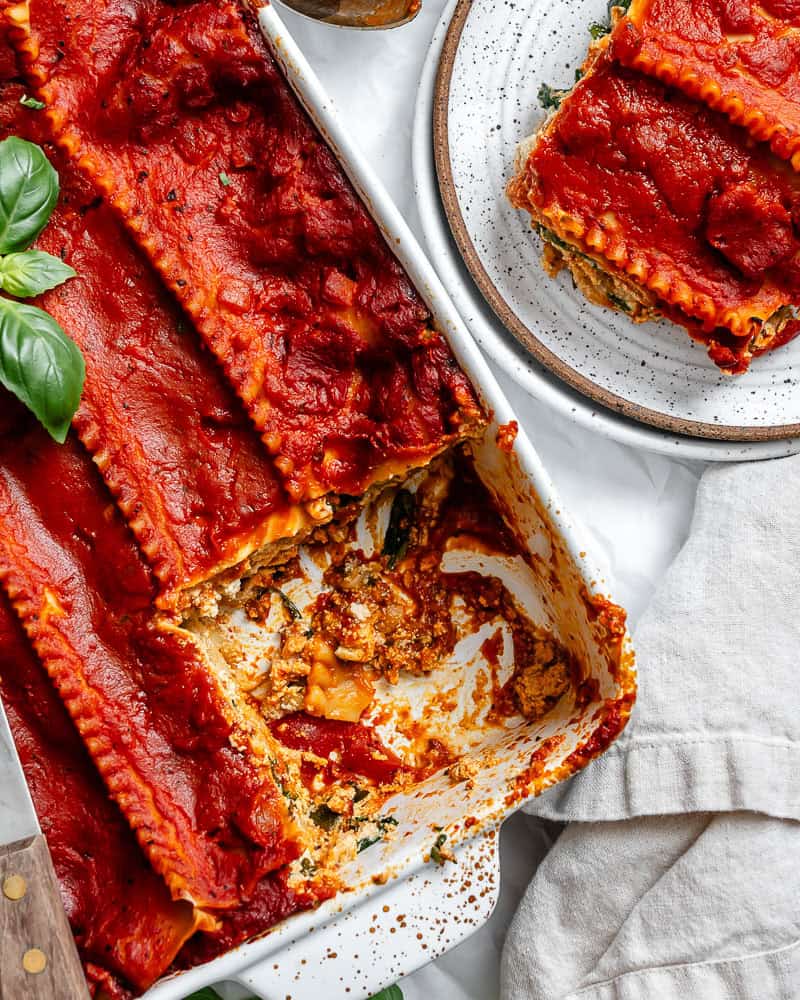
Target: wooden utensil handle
x=38, y=958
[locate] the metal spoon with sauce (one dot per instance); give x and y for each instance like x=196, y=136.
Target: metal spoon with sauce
x=358, y=13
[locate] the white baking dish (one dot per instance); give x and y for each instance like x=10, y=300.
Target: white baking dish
x=403, y=909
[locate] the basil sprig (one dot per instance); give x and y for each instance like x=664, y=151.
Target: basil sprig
x=39, y=363
x=390, y=993
x=208, y=994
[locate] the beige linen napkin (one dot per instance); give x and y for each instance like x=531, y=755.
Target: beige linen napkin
x=679, y=874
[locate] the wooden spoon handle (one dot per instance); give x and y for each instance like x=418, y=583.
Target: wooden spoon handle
x=38, y=958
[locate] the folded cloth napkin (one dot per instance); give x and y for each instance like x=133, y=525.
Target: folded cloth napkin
x=679, y=873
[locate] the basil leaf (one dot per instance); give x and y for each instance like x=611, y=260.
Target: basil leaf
x=32, y=272
x=390, y=993
x=28, y=193
x=40, y=365
x=208, y=994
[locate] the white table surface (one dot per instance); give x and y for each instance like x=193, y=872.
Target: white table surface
x=634, y=506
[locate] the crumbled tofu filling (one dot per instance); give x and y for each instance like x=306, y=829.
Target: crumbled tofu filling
x=362, y=603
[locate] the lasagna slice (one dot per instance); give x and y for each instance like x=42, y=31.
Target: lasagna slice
x=194, y=776
x=126, y=925
x=660, y=206
x=173, y=443
x=738, y=56
x=180, y=117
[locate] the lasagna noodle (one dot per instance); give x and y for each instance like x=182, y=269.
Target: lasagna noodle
x=127, y=928
x=644, y=184
x=172, y=441
x=180, y=117
x=202, y=802
x=741, y=58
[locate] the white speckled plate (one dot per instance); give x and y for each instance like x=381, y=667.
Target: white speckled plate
x=494, y=58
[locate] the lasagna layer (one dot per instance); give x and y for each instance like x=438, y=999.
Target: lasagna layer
x=193, y=783
x=662, y=206
x=179, y=115
x=172, y=441
x=127, y=928
x=741, y=58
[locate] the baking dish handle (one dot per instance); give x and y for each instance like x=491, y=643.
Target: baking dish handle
x=411, y=921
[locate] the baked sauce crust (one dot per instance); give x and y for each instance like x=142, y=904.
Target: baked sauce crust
x=179, y=115
x=100, y=867
x=738, y=56
x=138, y=690
x=664, y=207
x=171, y=440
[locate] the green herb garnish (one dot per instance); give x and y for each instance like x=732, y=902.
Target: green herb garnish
x=436, y=853
x=31, y=102
x=390, y=993
x=395, y=543
x=224, y=179
x=32, y=272
x=550, y=97
x=39, y=363
x=599, y=28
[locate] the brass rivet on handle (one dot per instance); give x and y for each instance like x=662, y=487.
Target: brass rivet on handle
x=34, y=961
x=14, y=887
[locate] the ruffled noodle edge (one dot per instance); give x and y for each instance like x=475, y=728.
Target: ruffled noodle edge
x=605, y=243
x=156, y=834
x=682, y=74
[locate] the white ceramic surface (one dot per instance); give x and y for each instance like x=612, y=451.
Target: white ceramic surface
x=505, y=53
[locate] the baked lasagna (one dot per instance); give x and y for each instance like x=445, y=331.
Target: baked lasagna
x=660, y=205
x=267, y=512
x=741, y=58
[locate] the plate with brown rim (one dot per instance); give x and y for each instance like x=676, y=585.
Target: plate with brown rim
x=494, y=58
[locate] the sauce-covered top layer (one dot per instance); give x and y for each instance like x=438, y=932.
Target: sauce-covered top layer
x=171, y=439
x=180, y=115
x=124, y=921
x=672, y=193
x=740, y=56
x=159, y=728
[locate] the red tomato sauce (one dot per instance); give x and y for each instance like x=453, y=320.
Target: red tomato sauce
x=185, y=122
x=739, y=55
x=126, y=926
x=684, y=186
